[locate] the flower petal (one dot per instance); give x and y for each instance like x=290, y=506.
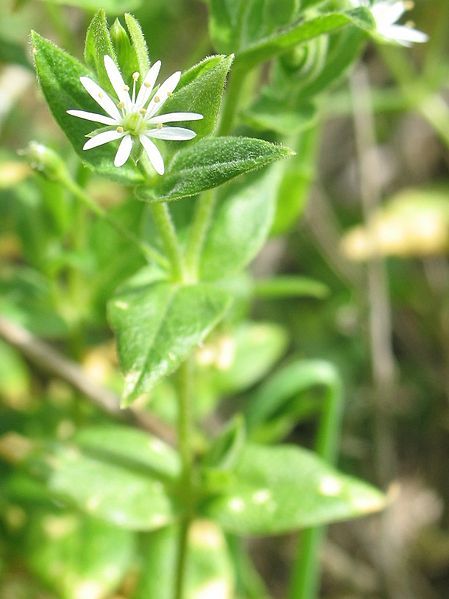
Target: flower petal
x=153, y=154
x=92, y=116
x=100, y=97
x=173, y=133
x=147, y=85
x=124, y=150
x=404, y=35
x=172, y=117
x=102, y=138
x=163, y=93
x=387, y=13
x=116, y=80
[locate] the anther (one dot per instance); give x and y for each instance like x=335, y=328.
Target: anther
x=126, y=88
x=409, y=5
x=121, y=105
x=119, y=129
x=136, y=76
x=159, y=126
x=147, y=84
x=156, y=99
x=143, y=111
x=100, y=95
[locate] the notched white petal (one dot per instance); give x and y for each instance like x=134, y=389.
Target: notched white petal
x=100, y=97
x=102, y=138
x=92, y=116
x=124, y=151
x=153, y=154
x=173, y=117
x=173, y=133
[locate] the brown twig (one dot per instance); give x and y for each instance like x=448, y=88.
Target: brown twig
x=46, y=357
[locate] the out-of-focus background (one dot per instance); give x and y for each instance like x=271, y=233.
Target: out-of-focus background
x=374, y=230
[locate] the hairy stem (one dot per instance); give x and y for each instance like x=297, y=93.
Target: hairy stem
x=204, y=210
x=166, y=228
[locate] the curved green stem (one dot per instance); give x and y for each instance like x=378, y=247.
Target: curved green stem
x=204, y=210
x=185, y=427
x=148, y=252
x=306, y=570
x=164, y=223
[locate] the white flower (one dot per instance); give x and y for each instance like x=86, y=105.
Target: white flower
x=386, y=13
x=132, y=118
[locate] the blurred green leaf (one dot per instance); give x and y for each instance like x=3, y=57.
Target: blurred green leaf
x=289, y=286
x=114, y=486
x=78, y=556
x=240, y=225
x=301, y=32
x=157, y=325
x=269, y=113
x=280, y=402
x=13, y=53
x=210, y=163
x=112, y=7
x=283, y=488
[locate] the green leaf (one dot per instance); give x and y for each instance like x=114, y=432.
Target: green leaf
x=226, y=448
x=115, y=486
x=240, y=226
x=98, y=45
x=284, y=488
x=302, y=32
x=210, y=163
x=225, y=24
x=124, y=444
x=200, y=90
x=112, y=7
x=158, y=325
x=59, y=76
x=139, y=44
x=74, y=555
x=281, y=401
x=269, y=113
x=247, y=354
x=208, y=569
x=289, y=286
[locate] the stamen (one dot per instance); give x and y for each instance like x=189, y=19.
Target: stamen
x=159, y=126
x=410, y=24
x=143, y=111
x=119, y=129
x=136, y=76
x=409, y=5
x=126, y=88
x=100, y=95
x=156, y=99
x=147, y=84
x=121, y=105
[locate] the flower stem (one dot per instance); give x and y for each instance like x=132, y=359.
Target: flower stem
x=148, y=252
x=185, y=427
x=306, y=569
x=204, y=210
x=164, y=223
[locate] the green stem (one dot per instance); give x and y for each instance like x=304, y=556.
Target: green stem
x=306, y=570
x=164, y=223
x=148, y=252
x=204, y=210
x=185, y=429
x=232, y=99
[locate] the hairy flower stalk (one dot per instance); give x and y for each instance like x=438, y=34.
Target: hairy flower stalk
x=134, y=118
x=386, y=14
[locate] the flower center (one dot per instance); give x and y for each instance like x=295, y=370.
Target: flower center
x=134, y=123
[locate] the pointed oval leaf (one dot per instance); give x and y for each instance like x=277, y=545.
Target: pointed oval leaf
x=158, y=325
x=212, y=162
x=284, y=488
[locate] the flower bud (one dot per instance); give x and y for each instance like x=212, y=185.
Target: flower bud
x=45, y=161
